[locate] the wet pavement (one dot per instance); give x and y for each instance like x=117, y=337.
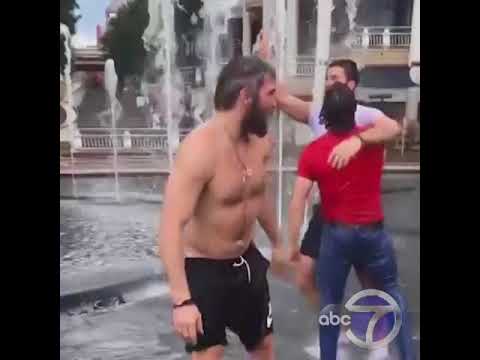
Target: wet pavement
x=95, y=235
x=103, y=234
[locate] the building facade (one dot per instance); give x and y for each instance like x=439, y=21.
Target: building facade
x=377, y=35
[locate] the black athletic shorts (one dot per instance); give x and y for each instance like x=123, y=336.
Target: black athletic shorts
x=231, y=294
x=311, y=240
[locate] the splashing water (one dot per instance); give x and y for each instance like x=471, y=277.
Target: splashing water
x=217, y=13
x=158, y=40
x=186, y=61
x=111, y=81
x=352, y=8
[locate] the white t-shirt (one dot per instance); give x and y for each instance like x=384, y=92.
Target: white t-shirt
x=364, y=116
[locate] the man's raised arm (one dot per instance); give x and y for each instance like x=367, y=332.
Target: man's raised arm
x=295, y=107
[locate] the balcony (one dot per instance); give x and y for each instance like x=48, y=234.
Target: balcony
x=368, y=46
x=382, y=38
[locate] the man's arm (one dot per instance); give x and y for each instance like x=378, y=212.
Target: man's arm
x=267, y=219
x=296, y=108
x=267, y=216
x=384, y=129
x=296, y=213
x=190, y=174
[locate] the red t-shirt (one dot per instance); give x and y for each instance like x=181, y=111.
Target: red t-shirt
x=351, y=195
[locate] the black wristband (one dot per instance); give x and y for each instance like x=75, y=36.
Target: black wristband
x=184, y=303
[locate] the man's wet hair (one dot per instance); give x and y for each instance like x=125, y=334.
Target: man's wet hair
x=350, y=68
x=339, y=106
x=240, y=72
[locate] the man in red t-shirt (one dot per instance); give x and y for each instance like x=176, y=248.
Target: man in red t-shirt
x=352, y=195
x=353, y=232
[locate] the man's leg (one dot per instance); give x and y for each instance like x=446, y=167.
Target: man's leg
x=367, y=283
x=305, y=279
x=264, y=350
x=206, y=279
x=333, y=266
x=305, y=268
x=381, y=265
x=213, y=353
x=250, y=313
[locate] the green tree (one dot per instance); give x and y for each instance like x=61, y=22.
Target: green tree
x=67, y=17
x=123, y=40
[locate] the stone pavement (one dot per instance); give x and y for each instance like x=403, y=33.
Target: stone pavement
x=141, y=330
x=110, y=244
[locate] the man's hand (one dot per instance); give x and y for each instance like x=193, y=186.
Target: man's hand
x=344, y=152
x=294, y=253
x=281, y=92
x=279, y=264
x=264, y=47
x=187, y=322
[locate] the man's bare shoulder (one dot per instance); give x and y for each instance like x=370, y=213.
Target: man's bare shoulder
x=197, y=150
x=200, y=137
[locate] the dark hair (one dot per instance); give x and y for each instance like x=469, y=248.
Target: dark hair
x=350, y=68
x=240, y=72
x=339, y=107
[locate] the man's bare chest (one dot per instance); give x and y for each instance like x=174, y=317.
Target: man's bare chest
x=237, y=180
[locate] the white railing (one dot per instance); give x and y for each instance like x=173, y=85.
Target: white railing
x=375, y=37
x=368, y=38
x=305, y=65
x=126, y=140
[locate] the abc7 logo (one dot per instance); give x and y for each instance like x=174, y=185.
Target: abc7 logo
x=328, y=317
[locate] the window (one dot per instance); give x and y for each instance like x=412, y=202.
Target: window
x=386, y=77
x=307, y=27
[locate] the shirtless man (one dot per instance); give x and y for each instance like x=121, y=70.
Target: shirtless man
x=214, y=195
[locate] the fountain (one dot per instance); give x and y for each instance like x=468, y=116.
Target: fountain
x=274, y=24
x=100, y=238
x=352, y=7
x=68, y=100
x=111, y=81
x=217, y=13
x=322, y=53
x=185, y=40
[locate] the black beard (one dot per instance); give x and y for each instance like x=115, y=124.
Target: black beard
x=255, y=122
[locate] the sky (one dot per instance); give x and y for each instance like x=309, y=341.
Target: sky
x=93, y=13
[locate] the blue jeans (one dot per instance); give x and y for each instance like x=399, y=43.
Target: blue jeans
x=371, y=250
